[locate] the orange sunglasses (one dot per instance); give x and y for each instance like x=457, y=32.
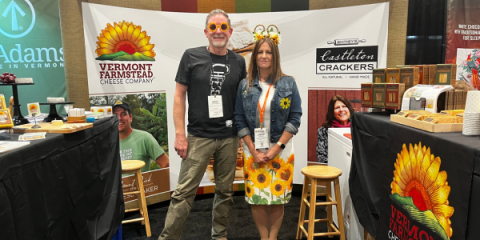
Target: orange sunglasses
x=223, y=27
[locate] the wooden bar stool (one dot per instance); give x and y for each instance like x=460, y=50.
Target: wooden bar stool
x=134, y=166
x=313, y=175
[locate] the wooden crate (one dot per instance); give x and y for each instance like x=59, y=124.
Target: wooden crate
x=426, y=126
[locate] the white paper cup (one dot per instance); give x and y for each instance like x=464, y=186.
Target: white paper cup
x=472, y=104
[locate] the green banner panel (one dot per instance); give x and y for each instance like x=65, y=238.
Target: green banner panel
x=31, y=47
x=246, y=6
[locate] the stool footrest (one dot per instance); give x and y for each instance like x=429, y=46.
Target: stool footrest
x=320, y=203
x=326, y=234
x=318, y=194
x=132, y=210
x=129, y=193
x=317, y=220
x=325, y=203
x=133, y=220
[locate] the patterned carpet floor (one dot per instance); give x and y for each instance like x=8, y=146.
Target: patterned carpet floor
x=241, y=227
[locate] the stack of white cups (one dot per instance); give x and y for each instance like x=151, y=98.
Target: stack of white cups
x=471, y=116
x=76, y=112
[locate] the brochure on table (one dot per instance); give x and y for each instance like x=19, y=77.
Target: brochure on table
x=6, y=146
x=429, y=92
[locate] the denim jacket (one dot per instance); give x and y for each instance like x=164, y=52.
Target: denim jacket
x=286, y=108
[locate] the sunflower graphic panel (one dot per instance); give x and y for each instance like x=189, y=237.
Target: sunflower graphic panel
x=422, y=189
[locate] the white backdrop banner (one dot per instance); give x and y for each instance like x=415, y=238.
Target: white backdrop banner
x=332, y=49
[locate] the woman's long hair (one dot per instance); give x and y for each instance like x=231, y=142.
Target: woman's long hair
x=331, y=108
x=276, y=68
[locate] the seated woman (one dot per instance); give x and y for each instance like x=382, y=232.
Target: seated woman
x=338, y=116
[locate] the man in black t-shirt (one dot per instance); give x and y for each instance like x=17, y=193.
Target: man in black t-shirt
x=210, y=75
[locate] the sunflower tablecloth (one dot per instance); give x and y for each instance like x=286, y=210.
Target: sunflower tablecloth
x=406, y=183
x=270, y=183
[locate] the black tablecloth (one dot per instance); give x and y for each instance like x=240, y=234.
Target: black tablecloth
x=377, y=146
x=67, y=186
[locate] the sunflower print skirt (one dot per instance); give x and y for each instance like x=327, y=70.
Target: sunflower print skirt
x=270, y=183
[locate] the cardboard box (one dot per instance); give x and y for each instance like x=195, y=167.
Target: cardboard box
x=394, y=95
x=409, y=76
x=392, y=75
x=451, y=100
x=367, y=94
x=446, y=74
x=379, y=95
x=458, y=99
x=432, y=72
x=447, y=94
x=422, y=74
x=379, y=75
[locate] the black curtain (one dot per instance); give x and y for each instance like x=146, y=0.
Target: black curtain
x=426, y=32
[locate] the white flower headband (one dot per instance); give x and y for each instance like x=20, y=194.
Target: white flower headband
x=267, y=32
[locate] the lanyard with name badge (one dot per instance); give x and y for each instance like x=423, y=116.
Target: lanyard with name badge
x=262, y=135
x=215, y=105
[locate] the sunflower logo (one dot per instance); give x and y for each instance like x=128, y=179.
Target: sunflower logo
x=417, y=176
x=278, y=188
x=249, y=190
x=285, y=103
x=100, y=110
x=276, y=164
x=261, y=178
x=124, y=41
x=33, y=107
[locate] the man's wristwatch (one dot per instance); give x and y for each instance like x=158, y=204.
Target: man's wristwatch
x=281, y=145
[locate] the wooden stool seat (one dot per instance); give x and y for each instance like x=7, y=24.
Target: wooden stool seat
x=313, y=175
x=322, y=172
x=134, y=166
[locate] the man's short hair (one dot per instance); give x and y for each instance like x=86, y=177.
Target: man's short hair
x=216, y=12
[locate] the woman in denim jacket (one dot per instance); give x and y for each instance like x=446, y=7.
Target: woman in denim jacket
x=268, y=170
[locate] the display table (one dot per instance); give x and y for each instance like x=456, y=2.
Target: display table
x=67, y=186
x=450, y=181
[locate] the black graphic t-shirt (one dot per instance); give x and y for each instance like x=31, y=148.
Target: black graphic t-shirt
x=206, y=74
